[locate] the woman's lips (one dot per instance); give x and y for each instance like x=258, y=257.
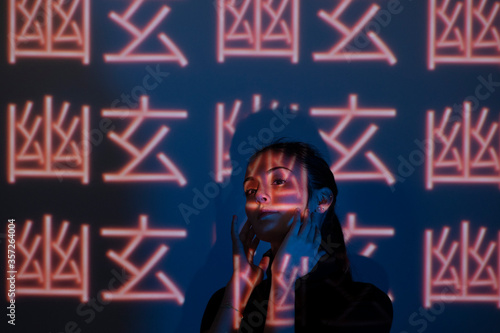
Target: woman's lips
x=266, y=213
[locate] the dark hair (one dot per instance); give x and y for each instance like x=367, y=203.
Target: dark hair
x=319, y=176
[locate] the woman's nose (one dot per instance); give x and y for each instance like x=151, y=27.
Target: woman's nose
x=261, y=197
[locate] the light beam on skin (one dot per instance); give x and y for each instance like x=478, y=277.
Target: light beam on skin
x=294, y=195
x=243, y=279
x=285, y=303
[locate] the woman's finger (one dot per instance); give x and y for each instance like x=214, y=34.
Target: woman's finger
x=234, y=236
x=252, y=248
x=312, y=228
x=305, y=224
x=316, y=218
x=264, y=263
x=244, y=231
x=295, y=228
x=248, y=237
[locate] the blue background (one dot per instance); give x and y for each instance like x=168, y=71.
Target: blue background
x=198, y=266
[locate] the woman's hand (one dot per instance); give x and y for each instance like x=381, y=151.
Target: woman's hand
x=246, y=274
x=299, y=252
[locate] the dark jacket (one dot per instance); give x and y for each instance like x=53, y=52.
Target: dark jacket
x=326, y=300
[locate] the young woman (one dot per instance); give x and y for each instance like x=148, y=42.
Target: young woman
x=290, y=200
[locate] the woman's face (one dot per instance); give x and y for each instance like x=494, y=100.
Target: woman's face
x=275, y=186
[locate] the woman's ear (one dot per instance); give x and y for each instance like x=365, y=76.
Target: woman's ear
x=324, y=199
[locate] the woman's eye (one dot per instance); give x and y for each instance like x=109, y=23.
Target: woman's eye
x=250, y=191
x=279, y=181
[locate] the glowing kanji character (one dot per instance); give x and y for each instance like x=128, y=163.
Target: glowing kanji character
x=258, y=28
x=138, y=116
x=346, y=49
x=352, y=230
x=245, y=281
x=282, y=303
x=47, y=148
x=463, y=32
x=332, y=139
x=131, y=52
x=226, y=122
x=49, y=29
x=461, y=152
x=53, y=266
x=138, y=272
x=467, y=272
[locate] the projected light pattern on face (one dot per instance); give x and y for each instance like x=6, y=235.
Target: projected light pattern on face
x=343, y=50
x=129, y=171
x=43, y=147
x=49, y=29
x=131, y=53
x=258, y=28
x=463, y=32
x=457, y=270
x=49, y=265
x=139, y=272
x=461, y=152
x=275, y=185
x=347, y=153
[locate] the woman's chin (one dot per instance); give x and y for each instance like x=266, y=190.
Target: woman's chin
x=269, y=236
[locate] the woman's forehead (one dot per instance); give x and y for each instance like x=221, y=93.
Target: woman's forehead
x=272, y=159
